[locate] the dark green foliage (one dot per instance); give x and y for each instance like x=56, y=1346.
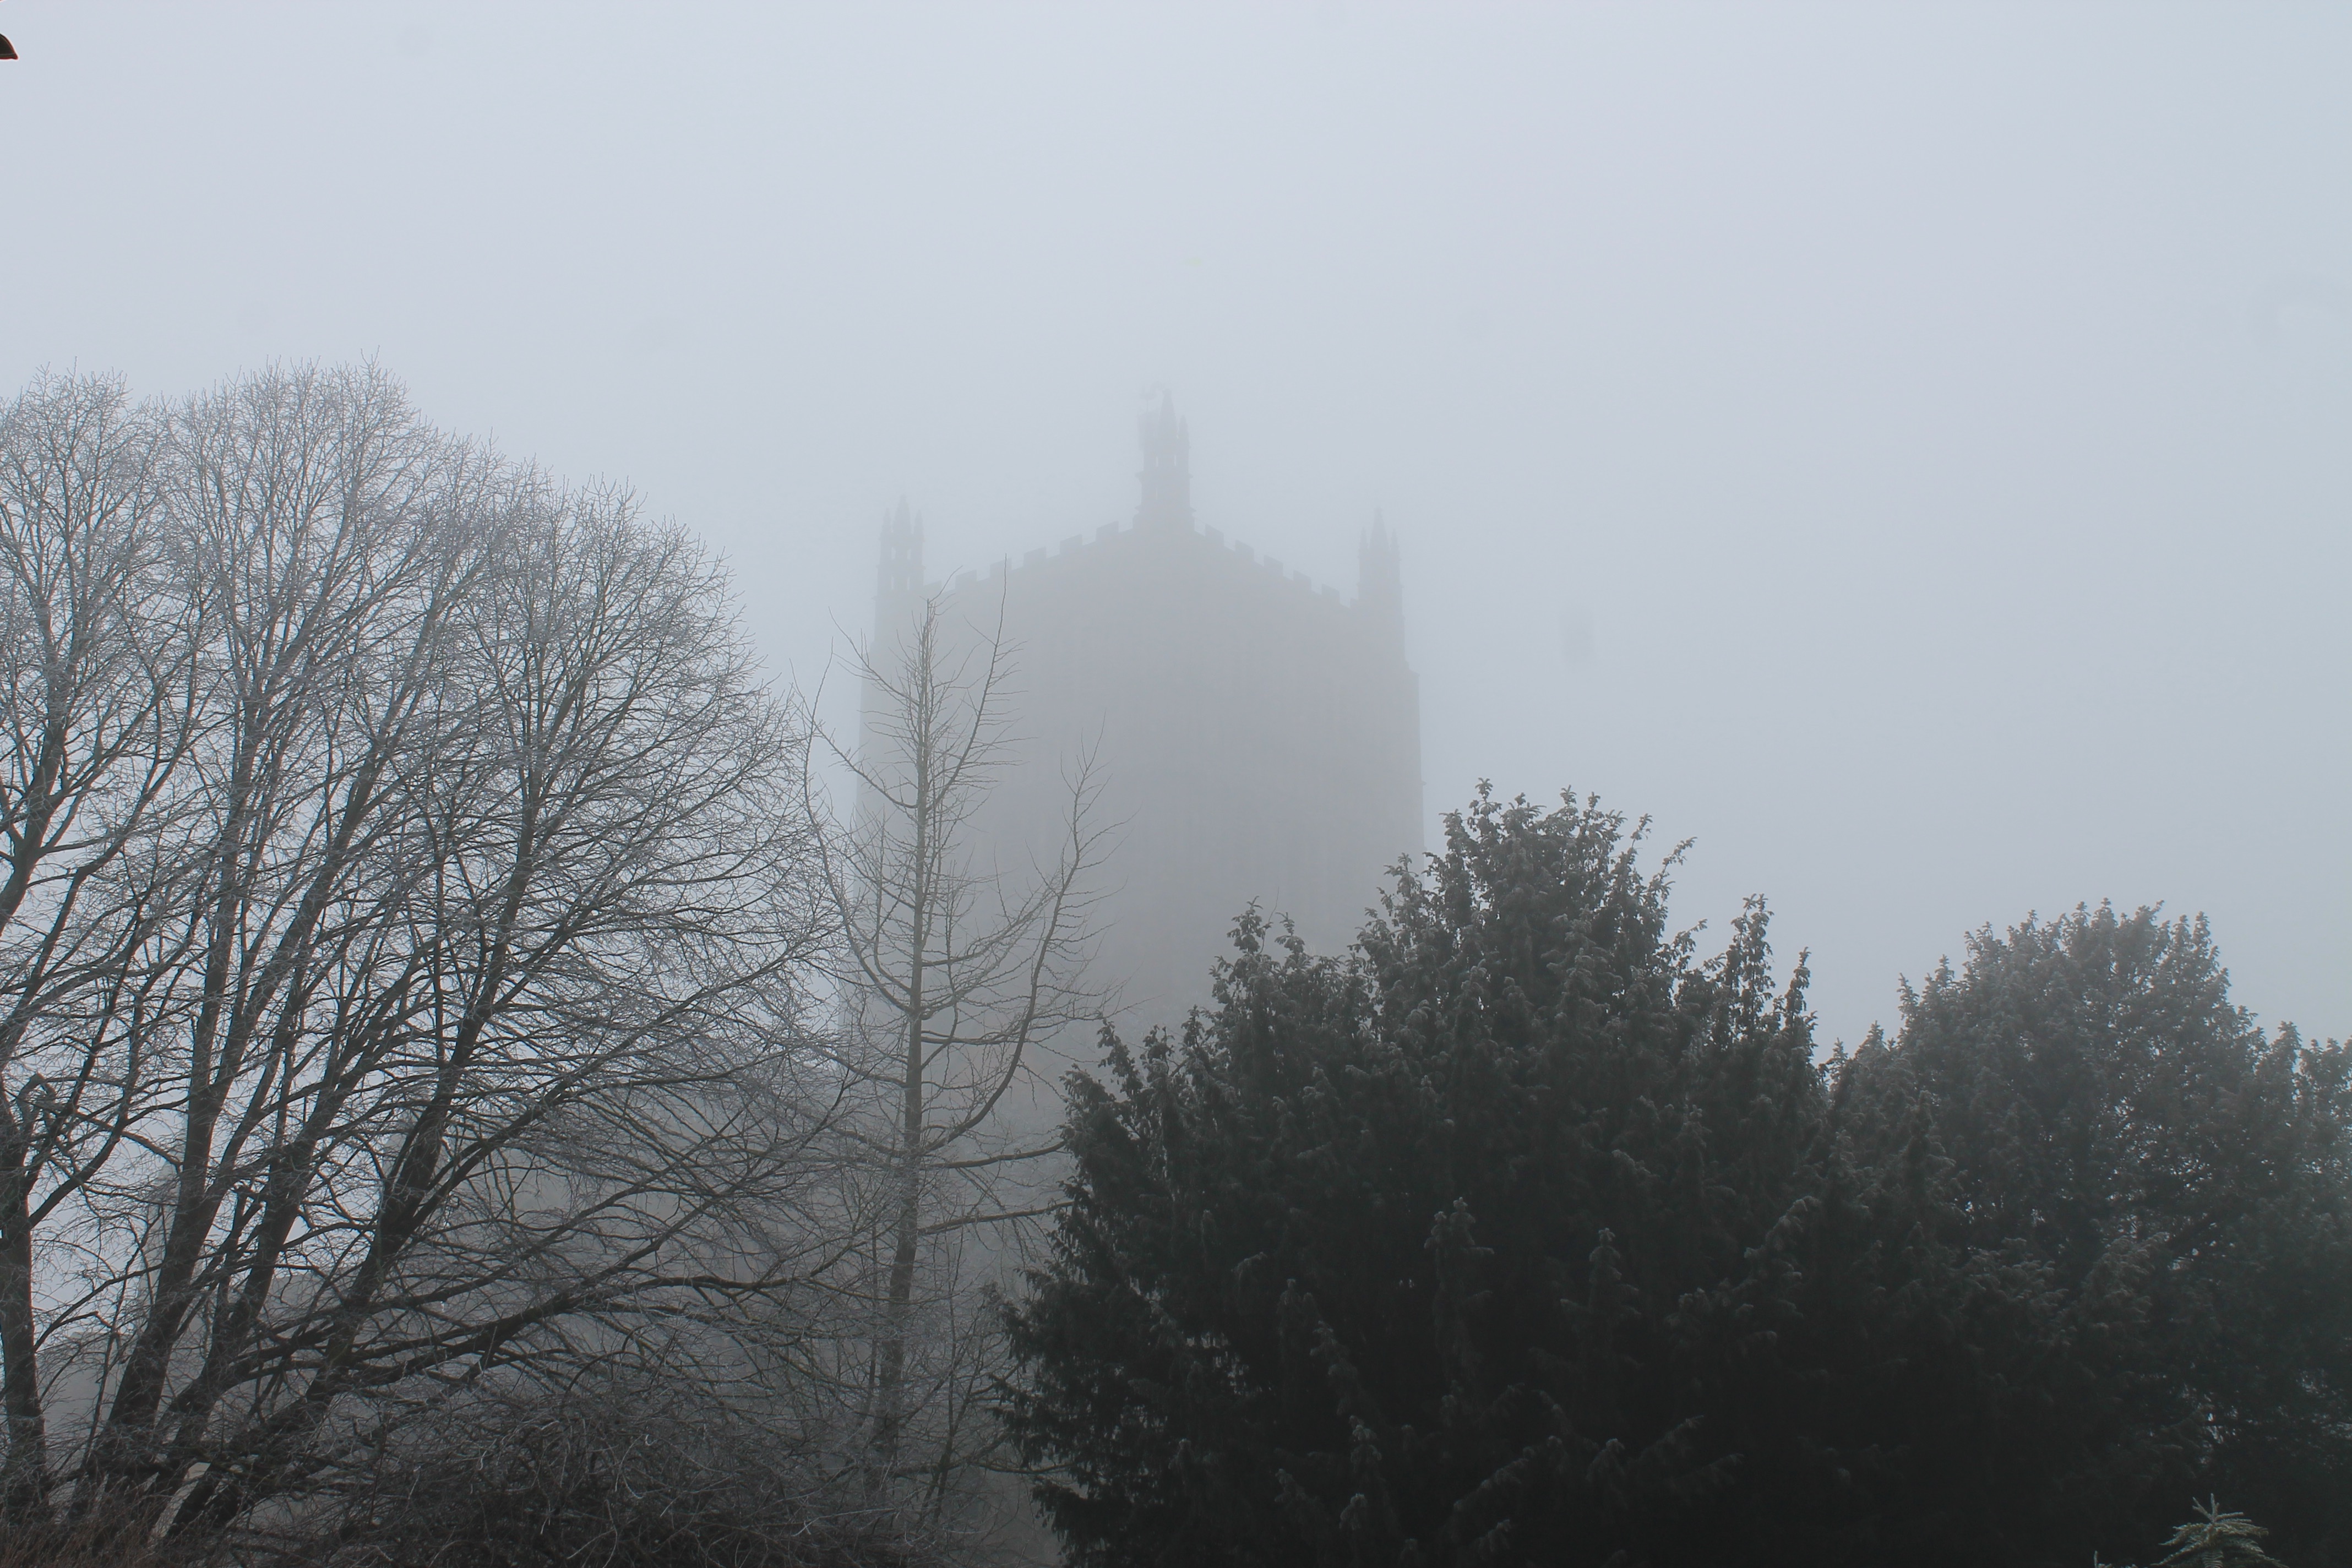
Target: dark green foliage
x=2113, y=1117
x=1522, y=1235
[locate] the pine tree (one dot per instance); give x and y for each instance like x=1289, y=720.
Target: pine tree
x=2215, y=1539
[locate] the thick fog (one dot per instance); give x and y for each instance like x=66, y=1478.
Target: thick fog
x=1908, y=452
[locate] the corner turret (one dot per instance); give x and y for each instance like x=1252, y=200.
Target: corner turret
x=1379, y=585
x=898, y=581
x=1167, y=471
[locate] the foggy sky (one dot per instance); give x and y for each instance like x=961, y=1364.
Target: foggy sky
x=1907, y=451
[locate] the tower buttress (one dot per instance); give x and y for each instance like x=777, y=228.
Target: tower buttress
x=1167, y=471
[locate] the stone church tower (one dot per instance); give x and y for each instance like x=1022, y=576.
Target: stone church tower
x=1258, y=738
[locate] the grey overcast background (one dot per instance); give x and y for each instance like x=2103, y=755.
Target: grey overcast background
x=1906, y=450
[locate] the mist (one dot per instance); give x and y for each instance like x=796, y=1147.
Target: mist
x=1902, y=451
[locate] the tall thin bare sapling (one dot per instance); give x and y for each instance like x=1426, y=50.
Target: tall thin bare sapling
x=958, y=968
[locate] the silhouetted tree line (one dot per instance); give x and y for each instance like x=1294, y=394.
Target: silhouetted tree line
x=1524, y=1233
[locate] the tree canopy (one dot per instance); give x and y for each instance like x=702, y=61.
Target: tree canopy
x=2111, y=1114
x=1524, y=1232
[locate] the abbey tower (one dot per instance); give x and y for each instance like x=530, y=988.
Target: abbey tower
x=1258, y=737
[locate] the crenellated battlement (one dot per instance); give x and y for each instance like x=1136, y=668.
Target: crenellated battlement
x=1115, y=536
x=1163, y=519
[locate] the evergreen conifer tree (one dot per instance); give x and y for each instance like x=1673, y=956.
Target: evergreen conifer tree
x=2215, y=1539
x=2181, y=1178
x=1522, y=1233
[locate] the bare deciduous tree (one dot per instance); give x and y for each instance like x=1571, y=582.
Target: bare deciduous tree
x=414, y=962
x=95, y=716
x=958, y=969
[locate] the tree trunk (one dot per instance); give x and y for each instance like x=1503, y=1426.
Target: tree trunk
x=889, y=1416
x=25, y=1480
